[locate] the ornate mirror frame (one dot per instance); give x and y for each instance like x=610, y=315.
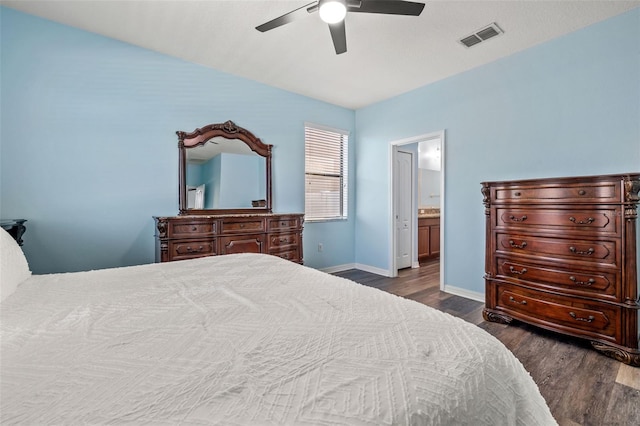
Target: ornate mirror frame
x=227, y=130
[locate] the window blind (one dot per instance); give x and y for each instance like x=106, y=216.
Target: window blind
x=326, y=174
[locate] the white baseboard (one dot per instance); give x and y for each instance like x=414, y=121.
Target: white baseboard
x=468, y=294
x=339, y=268
x=360, y=266
x=372, y=269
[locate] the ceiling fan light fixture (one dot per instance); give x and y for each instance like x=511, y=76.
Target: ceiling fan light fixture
x=332, y=11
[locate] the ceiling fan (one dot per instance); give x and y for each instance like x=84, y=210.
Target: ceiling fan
x=333, y=13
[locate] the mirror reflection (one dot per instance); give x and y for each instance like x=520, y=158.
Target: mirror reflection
x=429, y=173
x=222, y=169
x=225, y=174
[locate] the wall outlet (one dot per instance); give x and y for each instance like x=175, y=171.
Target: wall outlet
x=320, y=247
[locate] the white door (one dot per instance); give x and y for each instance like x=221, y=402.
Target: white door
x=403, y=190
x=195, y=197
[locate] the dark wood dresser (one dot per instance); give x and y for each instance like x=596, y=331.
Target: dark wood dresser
x=15, y=228
x=188, y=237
x=561, y=254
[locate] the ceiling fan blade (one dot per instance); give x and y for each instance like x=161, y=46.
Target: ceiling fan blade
x=288, y=17
x=388, y=7
x=339, y=36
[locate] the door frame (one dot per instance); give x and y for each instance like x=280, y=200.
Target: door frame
x=393, y=147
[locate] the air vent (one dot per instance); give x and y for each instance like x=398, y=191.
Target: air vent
x=481, y=35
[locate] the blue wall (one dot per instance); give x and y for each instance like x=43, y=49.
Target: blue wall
x=88, y=147
x=241, y=181
x=567, y=107
x=244, y=178
x=212, y=179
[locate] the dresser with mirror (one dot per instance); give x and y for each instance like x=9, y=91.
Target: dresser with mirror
x=225, y=200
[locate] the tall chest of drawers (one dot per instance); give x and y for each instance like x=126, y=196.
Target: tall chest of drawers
x=188, y=237
x=561, y=254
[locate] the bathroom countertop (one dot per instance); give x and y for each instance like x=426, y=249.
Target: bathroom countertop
x=429, y=216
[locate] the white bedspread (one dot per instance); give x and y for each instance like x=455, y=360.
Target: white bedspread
x=247, y=339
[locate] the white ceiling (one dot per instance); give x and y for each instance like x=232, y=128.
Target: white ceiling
x=215, y=146
x=387, y=55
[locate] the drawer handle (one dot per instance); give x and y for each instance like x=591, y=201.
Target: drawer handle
x=511, y=299
x=284, y=240
x=515, y=219
x=190, y=250
x=283, y=223
x=517, y=194
x=242, y=225
x=520, y=246
x=581, y=222
x=582, y=192
x=516, y=272
x=584, y=283
x=195, y=228
x=590, y=318
x=580, y=252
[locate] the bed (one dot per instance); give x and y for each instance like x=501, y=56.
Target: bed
x=243, y=339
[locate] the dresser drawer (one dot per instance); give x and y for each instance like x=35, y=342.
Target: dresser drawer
x=596, y=251
x=605, y=221
x=242, y=244
x=560, y=313
x=283, y=223
x=283, y=240
x=193, y=228
x=587, y=192
x=242, y=225
x=179, y=250
x=600, y=285
x=291, y=254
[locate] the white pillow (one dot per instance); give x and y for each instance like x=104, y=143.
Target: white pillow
x=13, y=265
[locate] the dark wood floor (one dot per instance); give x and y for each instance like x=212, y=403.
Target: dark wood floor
x=581, y=386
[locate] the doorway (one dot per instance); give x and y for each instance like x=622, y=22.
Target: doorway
x=423, y=195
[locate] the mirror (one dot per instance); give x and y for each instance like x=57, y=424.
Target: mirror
x=429, y=174
x=223, y=168
x=224, y=174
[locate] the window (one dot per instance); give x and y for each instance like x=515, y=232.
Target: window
x=325, y=168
